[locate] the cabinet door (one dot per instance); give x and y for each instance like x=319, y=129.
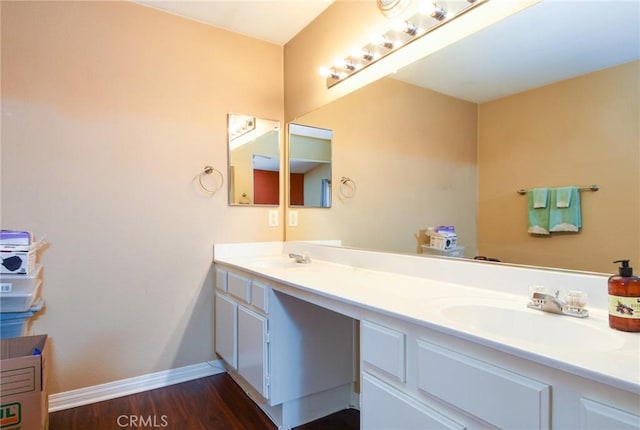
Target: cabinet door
x=226, y=329
x=597, y=416
x=252, y=349
x=384, y=408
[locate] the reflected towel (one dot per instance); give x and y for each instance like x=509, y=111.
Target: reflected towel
x=563, y=196
x=540, y=197
x=538, y=217
x=565, y=218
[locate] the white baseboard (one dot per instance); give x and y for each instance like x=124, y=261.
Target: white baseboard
x=138, y=384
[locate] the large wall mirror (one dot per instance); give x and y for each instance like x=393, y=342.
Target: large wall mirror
x=548, y=97
x=254, y=160
x=309, y=166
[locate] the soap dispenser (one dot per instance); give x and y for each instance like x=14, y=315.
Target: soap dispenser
x=624, y=299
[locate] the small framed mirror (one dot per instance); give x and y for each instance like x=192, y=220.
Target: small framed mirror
x=254, y=160
x=309, y=166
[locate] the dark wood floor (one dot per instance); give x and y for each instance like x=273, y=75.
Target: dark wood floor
x=212, y=403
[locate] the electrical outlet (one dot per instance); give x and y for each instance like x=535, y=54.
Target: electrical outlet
x=293, y=218
x=273, y=218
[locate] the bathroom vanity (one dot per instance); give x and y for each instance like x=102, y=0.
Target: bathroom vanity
x=437, y=343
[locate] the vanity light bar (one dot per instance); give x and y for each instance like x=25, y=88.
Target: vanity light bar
x=401, y=34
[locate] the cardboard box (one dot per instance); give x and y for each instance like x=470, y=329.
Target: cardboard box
x=24, y=403
x=443, y=241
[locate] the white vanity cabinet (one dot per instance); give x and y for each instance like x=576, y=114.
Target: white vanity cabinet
x=295, y=359
x=414, y=378
x=252, y=349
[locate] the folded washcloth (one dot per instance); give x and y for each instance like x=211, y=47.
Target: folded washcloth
x=538, y=217
x=540, y=197
x=563, y=196
x=565, y=218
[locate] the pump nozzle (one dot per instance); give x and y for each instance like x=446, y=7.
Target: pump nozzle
x=624, y=269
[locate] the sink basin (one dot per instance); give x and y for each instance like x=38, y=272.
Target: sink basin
x=512, y=320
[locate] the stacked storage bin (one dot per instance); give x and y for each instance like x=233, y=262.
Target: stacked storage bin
x=20, y=283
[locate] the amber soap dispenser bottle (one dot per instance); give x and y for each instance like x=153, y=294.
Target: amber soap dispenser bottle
x=624, y=299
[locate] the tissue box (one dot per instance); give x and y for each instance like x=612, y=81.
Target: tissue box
x=17, y=262
x=19, y=259
x=443, y=241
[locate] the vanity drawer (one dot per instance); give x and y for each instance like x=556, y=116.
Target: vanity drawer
x=384, y=408
x=384, y=349
x=491, y=393
x=259, y=297
x=221, y=279
x=238, y=286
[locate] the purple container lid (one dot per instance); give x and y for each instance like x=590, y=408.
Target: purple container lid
x=7, y=236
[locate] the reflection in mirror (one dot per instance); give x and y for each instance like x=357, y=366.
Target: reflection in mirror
x=557, y=109
x=254, y=160
x=309, y=166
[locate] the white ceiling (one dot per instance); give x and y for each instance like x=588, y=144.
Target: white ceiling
x=545, y=43
x=550, y=41
x=275, y=21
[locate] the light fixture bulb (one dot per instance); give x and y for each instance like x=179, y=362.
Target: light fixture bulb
x=380, y=40
x=327, y=72
x=404, y=26
x=362, y=54
x=343, y=63
x=434, y=11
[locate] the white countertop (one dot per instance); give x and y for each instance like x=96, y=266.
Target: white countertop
x=585, y=347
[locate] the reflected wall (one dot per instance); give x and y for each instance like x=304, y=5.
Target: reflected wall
x=580, y=131
x=411, y=153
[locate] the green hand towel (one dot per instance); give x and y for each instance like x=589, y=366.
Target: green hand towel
x=540, y=197
x=563, y=197
x=538, y=217
x=563, y=218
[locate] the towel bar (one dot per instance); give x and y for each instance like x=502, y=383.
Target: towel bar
x=522, y=191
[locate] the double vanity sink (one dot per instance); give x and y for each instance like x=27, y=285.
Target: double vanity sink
x=474, y=309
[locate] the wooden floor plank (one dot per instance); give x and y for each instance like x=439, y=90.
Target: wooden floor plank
x=212, y=403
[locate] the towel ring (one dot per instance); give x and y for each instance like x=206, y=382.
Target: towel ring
x=207, y=171
x=347, y=184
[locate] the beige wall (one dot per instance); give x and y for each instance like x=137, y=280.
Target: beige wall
x=344, y=25
x=580, y=131
x=241, y=160
x=412, y=155
x=109, y=112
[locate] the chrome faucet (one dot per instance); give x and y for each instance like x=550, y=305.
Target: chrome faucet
x=304, y=259
x=553, y=304
x=548, y=303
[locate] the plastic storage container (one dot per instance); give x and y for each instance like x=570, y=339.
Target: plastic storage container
x=12, y=283
x=20, y=301
x=15, y=324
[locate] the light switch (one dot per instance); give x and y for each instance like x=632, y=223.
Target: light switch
x=273, y=218
x=293, y=218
